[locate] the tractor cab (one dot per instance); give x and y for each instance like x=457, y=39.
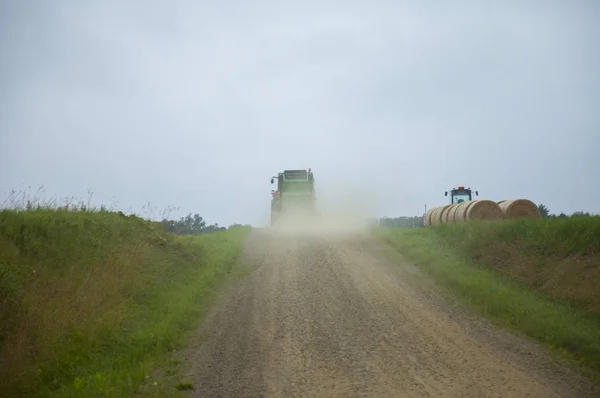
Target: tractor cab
x=461, y=194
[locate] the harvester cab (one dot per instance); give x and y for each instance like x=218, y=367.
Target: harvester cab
x=460, y=194
x=295, y=193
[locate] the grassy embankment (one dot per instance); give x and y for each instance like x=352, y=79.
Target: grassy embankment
x=540, y=277
x=90, y=301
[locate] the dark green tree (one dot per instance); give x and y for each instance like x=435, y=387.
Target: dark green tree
x=544, y=212
x=188, y=225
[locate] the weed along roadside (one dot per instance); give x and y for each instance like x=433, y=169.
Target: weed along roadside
x=90, y=301
x=539, y=277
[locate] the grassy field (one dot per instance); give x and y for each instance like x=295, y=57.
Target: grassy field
x=540, y=277
x=90, y=301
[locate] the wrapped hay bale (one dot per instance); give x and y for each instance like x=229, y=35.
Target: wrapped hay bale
x=519, y=208
x=475, y=210
x=436, y=215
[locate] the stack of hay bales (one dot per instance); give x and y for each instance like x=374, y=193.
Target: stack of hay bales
x=519, y=208
x=472, y=210
x=484, y=210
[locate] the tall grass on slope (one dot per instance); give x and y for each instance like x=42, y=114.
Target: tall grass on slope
x=560, y=258
x=484, y=263
x=88, y=300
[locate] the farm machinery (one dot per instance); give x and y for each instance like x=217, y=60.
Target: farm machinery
x=460, y=194
x=463, y=208
x=294, y=197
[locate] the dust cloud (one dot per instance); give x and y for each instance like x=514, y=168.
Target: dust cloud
x=341, y=210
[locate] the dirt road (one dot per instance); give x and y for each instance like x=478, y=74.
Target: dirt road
x=334, y=317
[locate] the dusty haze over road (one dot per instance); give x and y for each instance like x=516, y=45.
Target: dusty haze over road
x=327, y=315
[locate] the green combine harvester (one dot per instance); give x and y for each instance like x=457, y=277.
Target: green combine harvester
x=294, y=197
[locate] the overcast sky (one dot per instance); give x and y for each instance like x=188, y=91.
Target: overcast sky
x=196, y=104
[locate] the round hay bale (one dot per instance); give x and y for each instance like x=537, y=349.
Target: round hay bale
x=487, y=210
x=448, y=216
x=460, y=211
x=437, y=214
x=434, y=216
x=502, y=201
x=519, y=208
x=428, y=216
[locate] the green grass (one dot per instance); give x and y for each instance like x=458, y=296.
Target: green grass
x=546, y=238
x=184, y=386
x=90, y=301
x=483, y=263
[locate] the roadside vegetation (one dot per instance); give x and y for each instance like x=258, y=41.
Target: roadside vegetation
x=90, y=300
x=540, y=277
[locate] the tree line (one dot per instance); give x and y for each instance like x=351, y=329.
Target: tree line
x=196, y=225
x=545, y=213
x=193, y=225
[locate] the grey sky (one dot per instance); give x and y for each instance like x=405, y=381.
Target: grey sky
x=197, y=104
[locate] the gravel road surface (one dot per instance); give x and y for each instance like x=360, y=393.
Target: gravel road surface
x=335, y=317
